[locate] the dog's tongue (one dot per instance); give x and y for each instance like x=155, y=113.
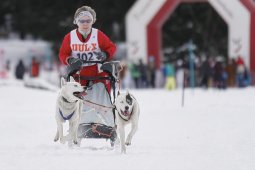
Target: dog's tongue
x=81, y=94
x=125, y=113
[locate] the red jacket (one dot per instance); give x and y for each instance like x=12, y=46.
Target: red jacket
x=105, y=44
x=239, y=61
x=34, y=69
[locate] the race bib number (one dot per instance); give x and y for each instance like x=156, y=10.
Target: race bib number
x=90, y=56
x=85, y=56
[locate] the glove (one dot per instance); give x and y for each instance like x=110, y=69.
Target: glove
x=75, y=64
x=101, y=56
x=72, y=60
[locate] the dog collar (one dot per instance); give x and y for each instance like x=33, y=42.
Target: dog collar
x=126, y=119
x=65, y=100
x=66, y=118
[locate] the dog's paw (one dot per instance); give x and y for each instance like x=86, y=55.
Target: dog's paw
x=128, y=143
x=55, y=139
x=79, y=142
x=75, y=142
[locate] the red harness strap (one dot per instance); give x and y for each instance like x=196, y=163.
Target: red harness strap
x=94, y=129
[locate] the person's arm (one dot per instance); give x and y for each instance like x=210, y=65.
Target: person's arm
x=106, y=45
x=65, y=50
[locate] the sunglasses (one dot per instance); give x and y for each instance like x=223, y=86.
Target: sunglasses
x=82, y=21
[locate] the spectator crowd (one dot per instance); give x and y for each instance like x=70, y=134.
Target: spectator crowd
x=209, y=72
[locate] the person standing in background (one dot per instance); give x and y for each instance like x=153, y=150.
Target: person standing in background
x=231, y=71
x=143, y=82
x=35, y=67
x=20, y=70
x=151, y=72
x=170, y=77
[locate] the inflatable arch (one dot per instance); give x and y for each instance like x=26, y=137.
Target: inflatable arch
x=145, y=19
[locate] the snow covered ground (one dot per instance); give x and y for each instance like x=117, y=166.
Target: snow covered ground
x=215, y=130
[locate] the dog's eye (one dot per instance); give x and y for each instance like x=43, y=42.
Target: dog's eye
x=121, y=102
x=75, y=85
x=129, y=102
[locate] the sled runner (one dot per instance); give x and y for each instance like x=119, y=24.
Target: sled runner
x=97, y=119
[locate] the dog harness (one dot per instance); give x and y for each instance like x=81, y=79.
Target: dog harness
x=66, y=118
x=65, y=100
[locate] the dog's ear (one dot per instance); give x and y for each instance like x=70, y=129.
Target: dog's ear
x=127, y=92
x=129, y=99
x=72, y=79
x=63, y=81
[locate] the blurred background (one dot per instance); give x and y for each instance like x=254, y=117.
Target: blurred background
x=161, y=44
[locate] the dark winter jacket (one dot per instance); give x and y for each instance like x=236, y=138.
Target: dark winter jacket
x=20, y=70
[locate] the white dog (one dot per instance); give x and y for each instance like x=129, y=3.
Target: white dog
x=69, y=107
x=127, y=112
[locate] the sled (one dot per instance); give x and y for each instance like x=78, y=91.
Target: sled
x=97, y=118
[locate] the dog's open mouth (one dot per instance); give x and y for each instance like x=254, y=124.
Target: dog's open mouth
x=80, y=95
x=125, y=113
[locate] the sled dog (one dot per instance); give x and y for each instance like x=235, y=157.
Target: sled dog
x=68, y=108
x=127, y=113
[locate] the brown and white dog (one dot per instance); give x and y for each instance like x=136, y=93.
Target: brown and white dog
x=127, y=112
